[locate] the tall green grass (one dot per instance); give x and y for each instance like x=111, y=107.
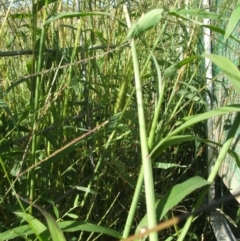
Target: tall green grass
x=102, y=127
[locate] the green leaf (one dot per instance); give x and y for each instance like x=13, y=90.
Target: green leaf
x=172, y=141
x=72, y=215
x=4, y=106
x=21, y=15
x=73, y=226
x=173, y=68
x=175, y=140
x=55, y=17
x=227, y=67
x=219, y=30
x=178, y=193
x=40, y=4
x=233, y=21
x=171, y=138
x=76, y=200
x=191, y=15
x=190, y=120
x=85, y=189
x=113, y=122
x=11, y=154
x=197, y=12
x=193, y=96
x=16, y=232
x=146, y=22
x=56, y=212
x=173, y=197
x=55, y=231
x=37, y=227
x=163, y=165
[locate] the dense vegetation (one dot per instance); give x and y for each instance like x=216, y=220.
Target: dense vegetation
x=107, y=96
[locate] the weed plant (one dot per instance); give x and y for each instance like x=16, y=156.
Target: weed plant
x=103, y=118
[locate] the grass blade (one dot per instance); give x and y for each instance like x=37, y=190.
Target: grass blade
x=233, y=21
x=174, y=196
x=227, y=67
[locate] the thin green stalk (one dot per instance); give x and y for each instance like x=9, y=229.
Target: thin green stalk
x=147, y=164
x=155, y=119
x=36, y=106
x=99, y=163
x=96, y=171
x=134, y=203
x=140, y=177
x=66, y=99
x=136, y=194
x=223, y=152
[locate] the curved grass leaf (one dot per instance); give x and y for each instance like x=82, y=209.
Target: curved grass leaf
x=227, y=67
x=4, y=106
x=73, y=226
x=14, y=84
x=21, y=231
x=146, y=22
x=193, y=96
x=85, y=189
x=178, y=193
x=72, y=215
x=55, y=17
x=36, y=226
x=173, y=68
x=219, y=30
x=193, y=13
x=54, y=229
x=172, y=141
x=185, y=17
x=175, y=140
x=189, y=121
x=173, y=197
x=233, y=21
x=20, y=15
x=197, y=12
x=163, y=165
